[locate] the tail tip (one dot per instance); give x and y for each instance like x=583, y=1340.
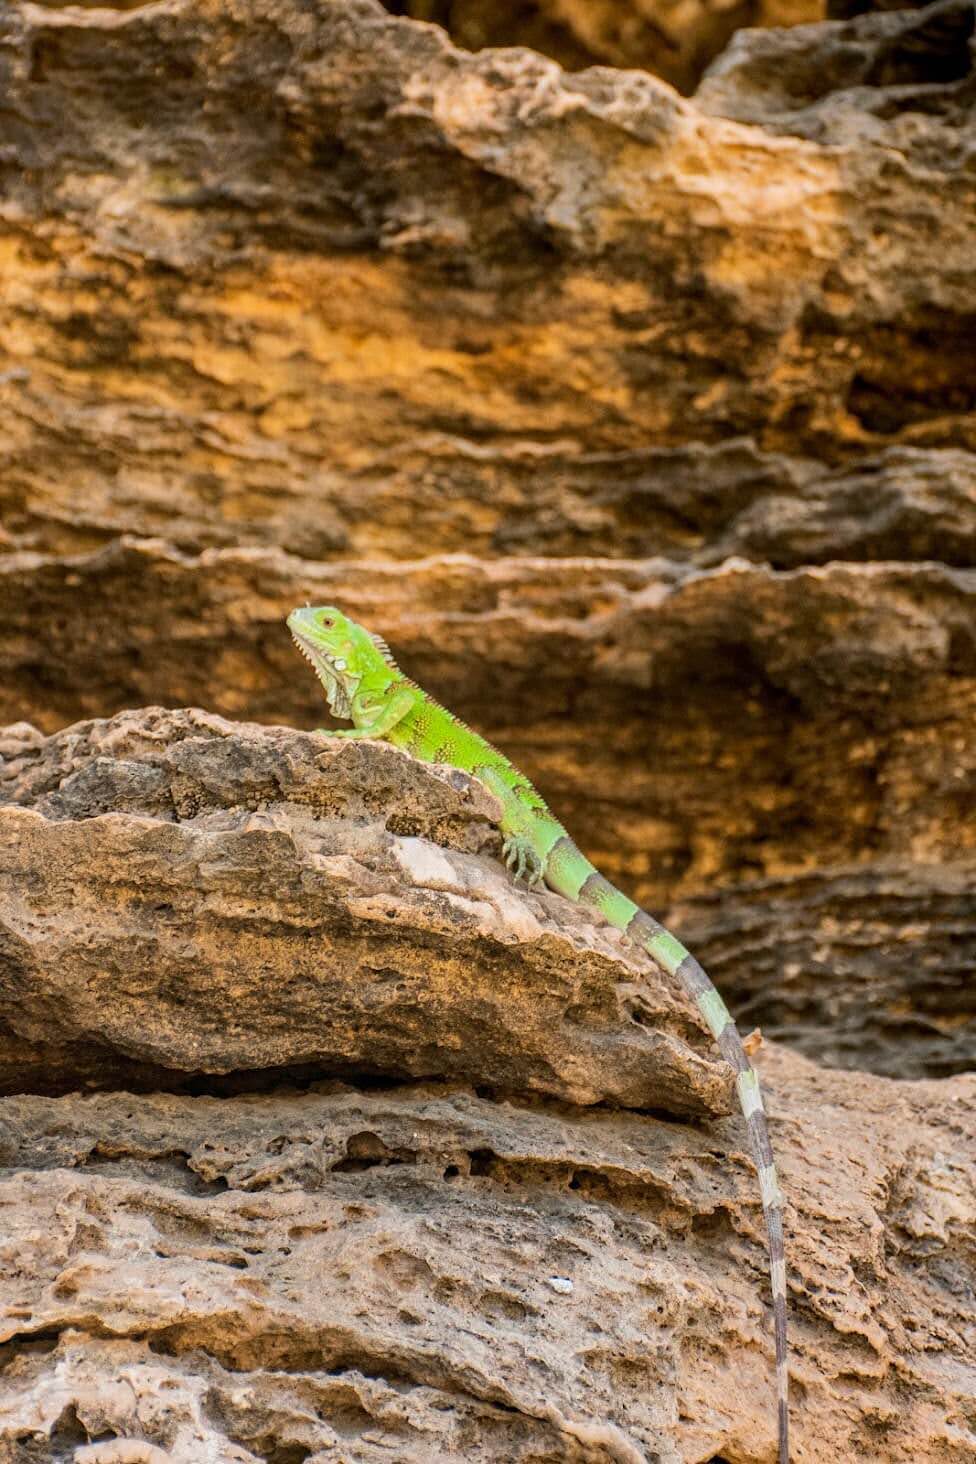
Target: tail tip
x=784, y=1432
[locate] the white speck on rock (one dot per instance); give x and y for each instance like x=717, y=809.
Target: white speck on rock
x=425, y=864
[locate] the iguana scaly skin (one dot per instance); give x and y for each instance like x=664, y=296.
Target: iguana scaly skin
x=363, y=684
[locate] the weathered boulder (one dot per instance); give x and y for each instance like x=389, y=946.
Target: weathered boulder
x=182, y=895
x=780, y=762
x=499, y=1263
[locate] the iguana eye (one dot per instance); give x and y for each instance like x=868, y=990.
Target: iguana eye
x=327, y=622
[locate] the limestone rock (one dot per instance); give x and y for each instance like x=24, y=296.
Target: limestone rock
x=317, y=278
x=779, y=762
x=340, y=1273
x=181, y=895
x=641, y=424
x=644, y=426
x=600, y=402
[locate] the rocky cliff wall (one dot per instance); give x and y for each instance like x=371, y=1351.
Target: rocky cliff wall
x=686, y=384
x=644, y=426
x=407, y=1161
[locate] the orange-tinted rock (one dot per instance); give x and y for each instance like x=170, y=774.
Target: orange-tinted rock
x=643, y=426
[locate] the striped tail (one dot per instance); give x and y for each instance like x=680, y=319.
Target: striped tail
x=570, y=873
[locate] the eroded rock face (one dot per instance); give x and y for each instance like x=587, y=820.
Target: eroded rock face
x=317, y=278
x=780, y=762
x=859, y=968
x=643, y=426
x=425, y=1273
x=178, y=894
x=841, y=697
x=503, y=358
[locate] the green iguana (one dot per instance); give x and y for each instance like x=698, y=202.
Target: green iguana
x=364, y=685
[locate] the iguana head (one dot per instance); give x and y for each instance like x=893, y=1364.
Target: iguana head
x=342, y=653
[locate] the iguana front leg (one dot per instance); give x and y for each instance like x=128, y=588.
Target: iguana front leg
x=384, y=716
x=518, y=848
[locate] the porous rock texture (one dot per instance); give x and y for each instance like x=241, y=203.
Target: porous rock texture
x=335, y=1274
x=780, y=761
x=502, y=1262
x=182, y=893
x=644, y=427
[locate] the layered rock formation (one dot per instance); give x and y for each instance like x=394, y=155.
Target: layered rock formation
x=427, y=1274
x=407, y=301
x=782, y=761
x=644, y=427
x=518, y=1270
x=239, y=899
x=324, y=281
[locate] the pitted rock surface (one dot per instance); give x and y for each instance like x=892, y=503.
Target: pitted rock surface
x=183, y=896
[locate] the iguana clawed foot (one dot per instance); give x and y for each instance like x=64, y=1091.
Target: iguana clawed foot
x=522, y=860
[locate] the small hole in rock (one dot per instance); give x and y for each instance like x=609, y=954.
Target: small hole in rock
x=482, y=1161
